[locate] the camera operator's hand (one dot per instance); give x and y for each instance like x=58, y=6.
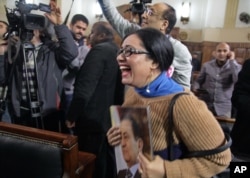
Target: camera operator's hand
x=12, y=47
x=14, y=41
x=55, y=15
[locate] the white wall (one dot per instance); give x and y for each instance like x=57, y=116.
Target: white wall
x=204, y=13
x=215, y=13
x=244, y=6
x=206, y=17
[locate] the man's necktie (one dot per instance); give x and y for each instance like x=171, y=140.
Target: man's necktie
x=128, y=174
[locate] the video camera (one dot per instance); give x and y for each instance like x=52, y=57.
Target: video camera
x=21, y=20
x=139, y=8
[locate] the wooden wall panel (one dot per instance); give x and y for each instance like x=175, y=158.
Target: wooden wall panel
x=242, y=50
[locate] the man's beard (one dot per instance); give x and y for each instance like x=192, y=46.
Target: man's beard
x=78, y=39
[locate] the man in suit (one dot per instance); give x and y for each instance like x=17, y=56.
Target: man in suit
x=131, y=145
x=94, y=92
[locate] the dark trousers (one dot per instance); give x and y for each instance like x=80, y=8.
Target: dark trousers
x=65, y=104
x=50, y=122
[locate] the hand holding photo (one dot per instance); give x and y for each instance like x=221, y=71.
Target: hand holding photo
x=135, y=132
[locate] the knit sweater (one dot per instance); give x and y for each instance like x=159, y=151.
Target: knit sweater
x=194, y=125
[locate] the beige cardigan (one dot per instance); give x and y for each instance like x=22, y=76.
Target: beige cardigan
x=194, y=125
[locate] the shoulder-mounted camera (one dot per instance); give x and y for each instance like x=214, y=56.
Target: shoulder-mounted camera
x=139, y=7
x=21, y=19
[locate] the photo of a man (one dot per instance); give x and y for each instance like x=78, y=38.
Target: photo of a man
x=134, y=126
x=131, y=145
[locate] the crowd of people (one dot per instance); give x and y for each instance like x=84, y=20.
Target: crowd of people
x=58, y=82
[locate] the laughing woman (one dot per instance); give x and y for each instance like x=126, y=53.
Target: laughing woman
x=144, y=58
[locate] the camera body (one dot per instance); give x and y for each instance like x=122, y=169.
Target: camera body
x=21, y=21
x=139, y=8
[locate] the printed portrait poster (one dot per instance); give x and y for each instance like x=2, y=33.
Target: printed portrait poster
x=140, y=133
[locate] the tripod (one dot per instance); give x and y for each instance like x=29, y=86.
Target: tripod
x=3, y=93
x=32, y=84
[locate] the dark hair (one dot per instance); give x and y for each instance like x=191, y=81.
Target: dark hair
x=106, y=29
x=158, y=45
x=79, y=17
x=136, y=129
x=170, y=15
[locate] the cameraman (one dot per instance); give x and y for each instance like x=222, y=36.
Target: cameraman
x=43, y=83
x=162, y=17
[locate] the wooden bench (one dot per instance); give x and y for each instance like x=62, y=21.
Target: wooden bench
x=29, y=152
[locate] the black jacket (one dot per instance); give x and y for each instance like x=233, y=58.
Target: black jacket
x=51, y=59
x=241, y=101
x=94, y=90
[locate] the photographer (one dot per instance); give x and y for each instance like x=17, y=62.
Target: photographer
x=162, y=17
x=39, y=78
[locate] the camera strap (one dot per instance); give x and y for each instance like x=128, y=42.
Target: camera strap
x=13, y=43
x=67, y=17
x=198, y=153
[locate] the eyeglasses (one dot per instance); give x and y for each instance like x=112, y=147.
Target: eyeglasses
x=150, y=12
x=128, y=51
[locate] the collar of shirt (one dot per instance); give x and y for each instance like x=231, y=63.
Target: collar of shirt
x=38, y=46
x=134, y=168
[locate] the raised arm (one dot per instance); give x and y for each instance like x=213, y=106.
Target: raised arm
x=119, y=23
x=182, y=63
x=66, y=49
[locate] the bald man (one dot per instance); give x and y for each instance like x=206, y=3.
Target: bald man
x=161, y=16
x=218, y=77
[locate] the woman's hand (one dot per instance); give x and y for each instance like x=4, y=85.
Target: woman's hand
x=151, y=169
x=114, y=136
